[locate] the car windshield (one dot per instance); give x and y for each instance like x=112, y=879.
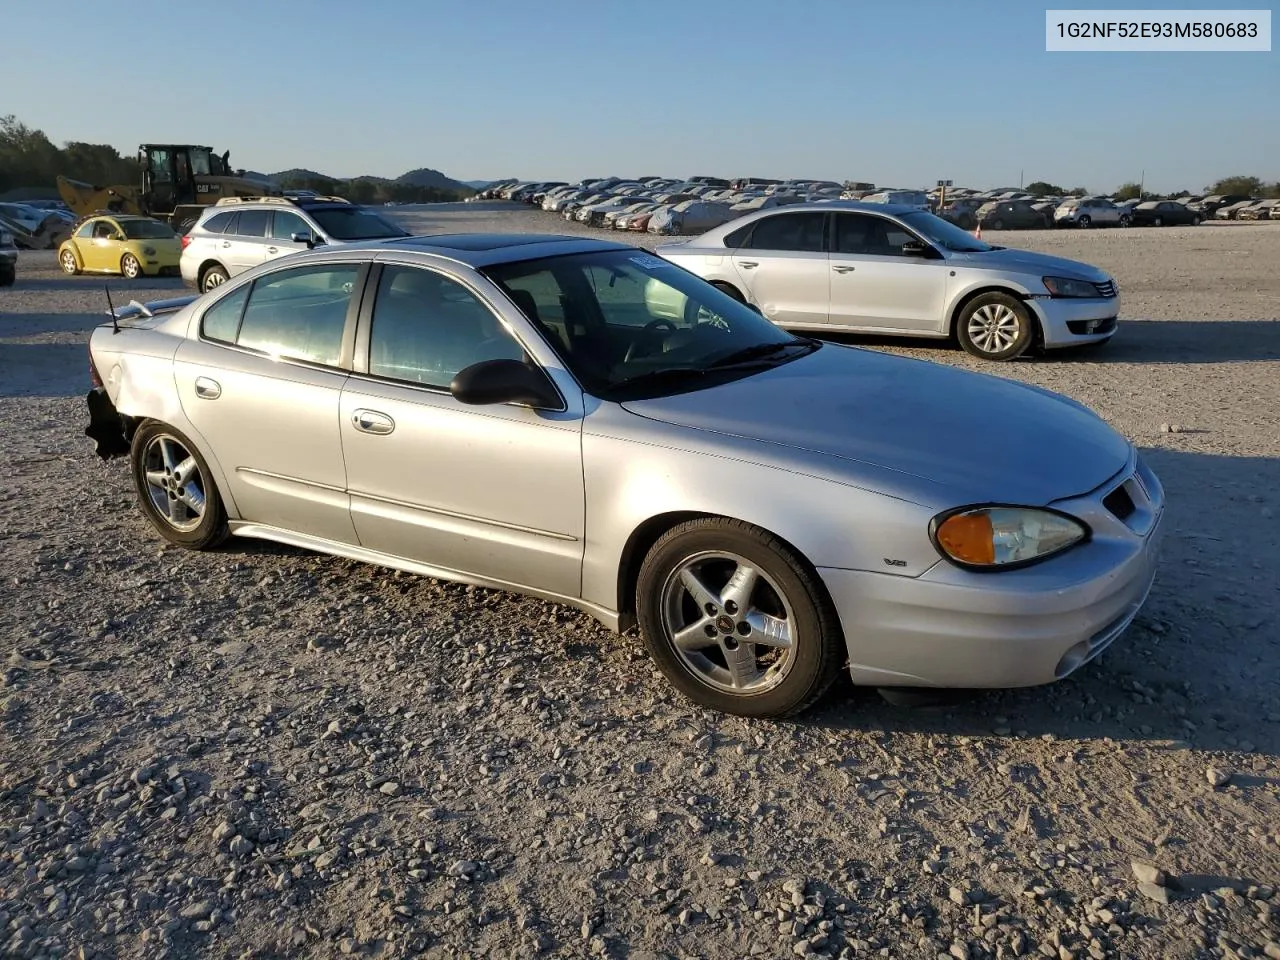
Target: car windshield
x=944, y=234
x=147, y=230
x=629, y=324
x=354, y=223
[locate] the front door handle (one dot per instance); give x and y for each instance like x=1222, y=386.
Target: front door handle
x=207, y=389
x=843, y=268
x=226, y=243
x=371, y=421
x=272, y=250
x=748, y=264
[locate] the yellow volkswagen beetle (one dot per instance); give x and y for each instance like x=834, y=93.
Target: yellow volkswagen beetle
x=132, y=246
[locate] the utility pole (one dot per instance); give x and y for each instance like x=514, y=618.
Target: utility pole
x=1142, y=180
x=1020, y=173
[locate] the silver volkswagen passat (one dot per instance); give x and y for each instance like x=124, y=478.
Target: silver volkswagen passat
x=896, y=270
x=513, y=412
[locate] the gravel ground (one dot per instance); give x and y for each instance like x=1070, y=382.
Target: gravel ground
x=261, y=752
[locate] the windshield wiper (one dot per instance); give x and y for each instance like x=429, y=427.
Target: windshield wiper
x=659, y=376
x=760, y=351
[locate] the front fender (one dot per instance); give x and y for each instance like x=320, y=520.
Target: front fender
x=637, y=470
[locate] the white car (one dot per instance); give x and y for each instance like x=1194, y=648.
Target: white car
x=1088, y=212
x=236, y=234
x=885, y=269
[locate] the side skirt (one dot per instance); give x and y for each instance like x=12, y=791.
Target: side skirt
x=262, y=531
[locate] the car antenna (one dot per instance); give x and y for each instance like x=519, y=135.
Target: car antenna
x=115, y=323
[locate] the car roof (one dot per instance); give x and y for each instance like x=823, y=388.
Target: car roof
x=475, y=250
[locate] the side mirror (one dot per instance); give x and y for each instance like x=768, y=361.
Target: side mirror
x=310, y=239
x=504, y=381
x=916, y=248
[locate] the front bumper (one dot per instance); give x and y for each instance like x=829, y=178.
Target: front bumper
x=954, y=628
x=1069, y=322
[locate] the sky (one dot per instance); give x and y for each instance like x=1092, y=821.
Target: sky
x=897, y=93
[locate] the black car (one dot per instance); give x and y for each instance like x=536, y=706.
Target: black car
x=1010, y=215
x=1164, y=213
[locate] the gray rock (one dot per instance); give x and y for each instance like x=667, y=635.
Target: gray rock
x=1217, y=778
x=1146, y=873
x=1153, y=891
x=959, y=896
x=391, y=789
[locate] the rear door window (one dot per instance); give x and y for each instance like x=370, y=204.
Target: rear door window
x=218, y=223
x=800, y=231
x=253, y=223
x=301, y=313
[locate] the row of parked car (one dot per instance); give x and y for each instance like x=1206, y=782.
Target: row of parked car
x=667, y=206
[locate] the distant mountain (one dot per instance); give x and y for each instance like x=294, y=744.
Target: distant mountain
x=477, y=184
x=422, y=177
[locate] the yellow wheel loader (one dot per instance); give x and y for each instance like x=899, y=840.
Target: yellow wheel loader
x=178, y=181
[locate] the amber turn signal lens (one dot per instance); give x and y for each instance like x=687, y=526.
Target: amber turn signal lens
x=968, y=537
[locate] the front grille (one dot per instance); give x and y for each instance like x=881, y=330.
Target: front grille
x=1107, y=289
x=1119, y=503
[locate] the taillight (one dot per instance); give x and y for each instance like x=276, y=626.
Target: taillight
x=186, y=240
x=94, y=379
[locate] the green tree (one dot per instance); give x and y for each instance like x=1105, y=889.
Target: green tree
x=1249, y=186
x=1042, y=188
x=1078, y=192
x=1129, y=191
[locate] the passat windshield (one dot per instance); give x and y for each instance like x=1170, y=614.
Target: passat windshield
x=353, y=223
x=944, y=234
x=629, y=324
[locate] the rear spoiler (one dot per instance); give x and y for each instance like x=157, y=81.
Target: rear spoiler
x=133, y=310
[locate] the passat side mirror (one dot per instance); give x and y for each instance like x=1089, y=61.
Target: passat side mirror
x=504, y=381
x=310, y=239
x=916, y=248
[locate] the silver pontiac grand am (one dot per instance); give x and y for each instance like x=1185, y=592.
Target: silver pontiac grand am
x=508, y=411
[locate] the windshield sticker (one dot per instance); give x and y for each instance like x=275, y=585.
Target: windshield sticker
x=648, y=263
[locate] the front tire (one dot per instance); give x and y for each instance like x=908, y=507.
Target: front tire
x=995, y=326
x=175, y=488
x=1084, y=222
x=130, y=267
x=67, y=260
x=997, y=224
x=736, y=620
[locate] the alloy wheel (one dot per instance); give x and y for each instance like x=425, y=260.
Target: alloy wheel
x=994, y=327
x=729, y=623
x=175, y=484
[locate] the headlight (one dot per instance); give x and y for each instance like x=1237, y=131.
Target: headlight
x=149, y=251
x=999, y=537
x=1066, y=287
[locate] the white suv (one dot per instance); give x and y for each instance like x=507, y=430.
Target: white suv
x=238, y=233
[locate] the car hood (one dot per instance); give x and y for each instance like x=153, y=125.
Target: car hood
x=972, y=437
x=1038, y=264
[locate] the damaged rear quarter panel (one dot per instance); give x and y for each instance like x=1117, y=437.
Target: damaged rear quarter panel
x=136, y=366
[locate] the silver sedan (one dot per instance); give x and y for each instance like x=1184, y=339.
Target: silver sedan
x=511, y=411
x=892, y=269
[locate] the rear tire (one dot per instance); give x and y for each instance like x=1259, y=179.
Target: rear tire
x=1084, y=222
x=995, y=326
x=997, y=224
x=214, y=276
x=8, y=278
x=736, y=620
x=729, y=289
x=69, y=262
x=169, y=473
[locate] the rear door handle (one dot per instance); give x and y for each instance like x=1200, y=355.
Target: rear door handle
x=748, y=264
x=371, y=421
x=843, y=268
x=226, y=243
x=207, y=389
x=272, y=250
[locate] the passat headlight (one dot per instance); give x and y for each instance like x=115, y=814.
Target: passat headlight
x=1001, y=537
x=1066, y=287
